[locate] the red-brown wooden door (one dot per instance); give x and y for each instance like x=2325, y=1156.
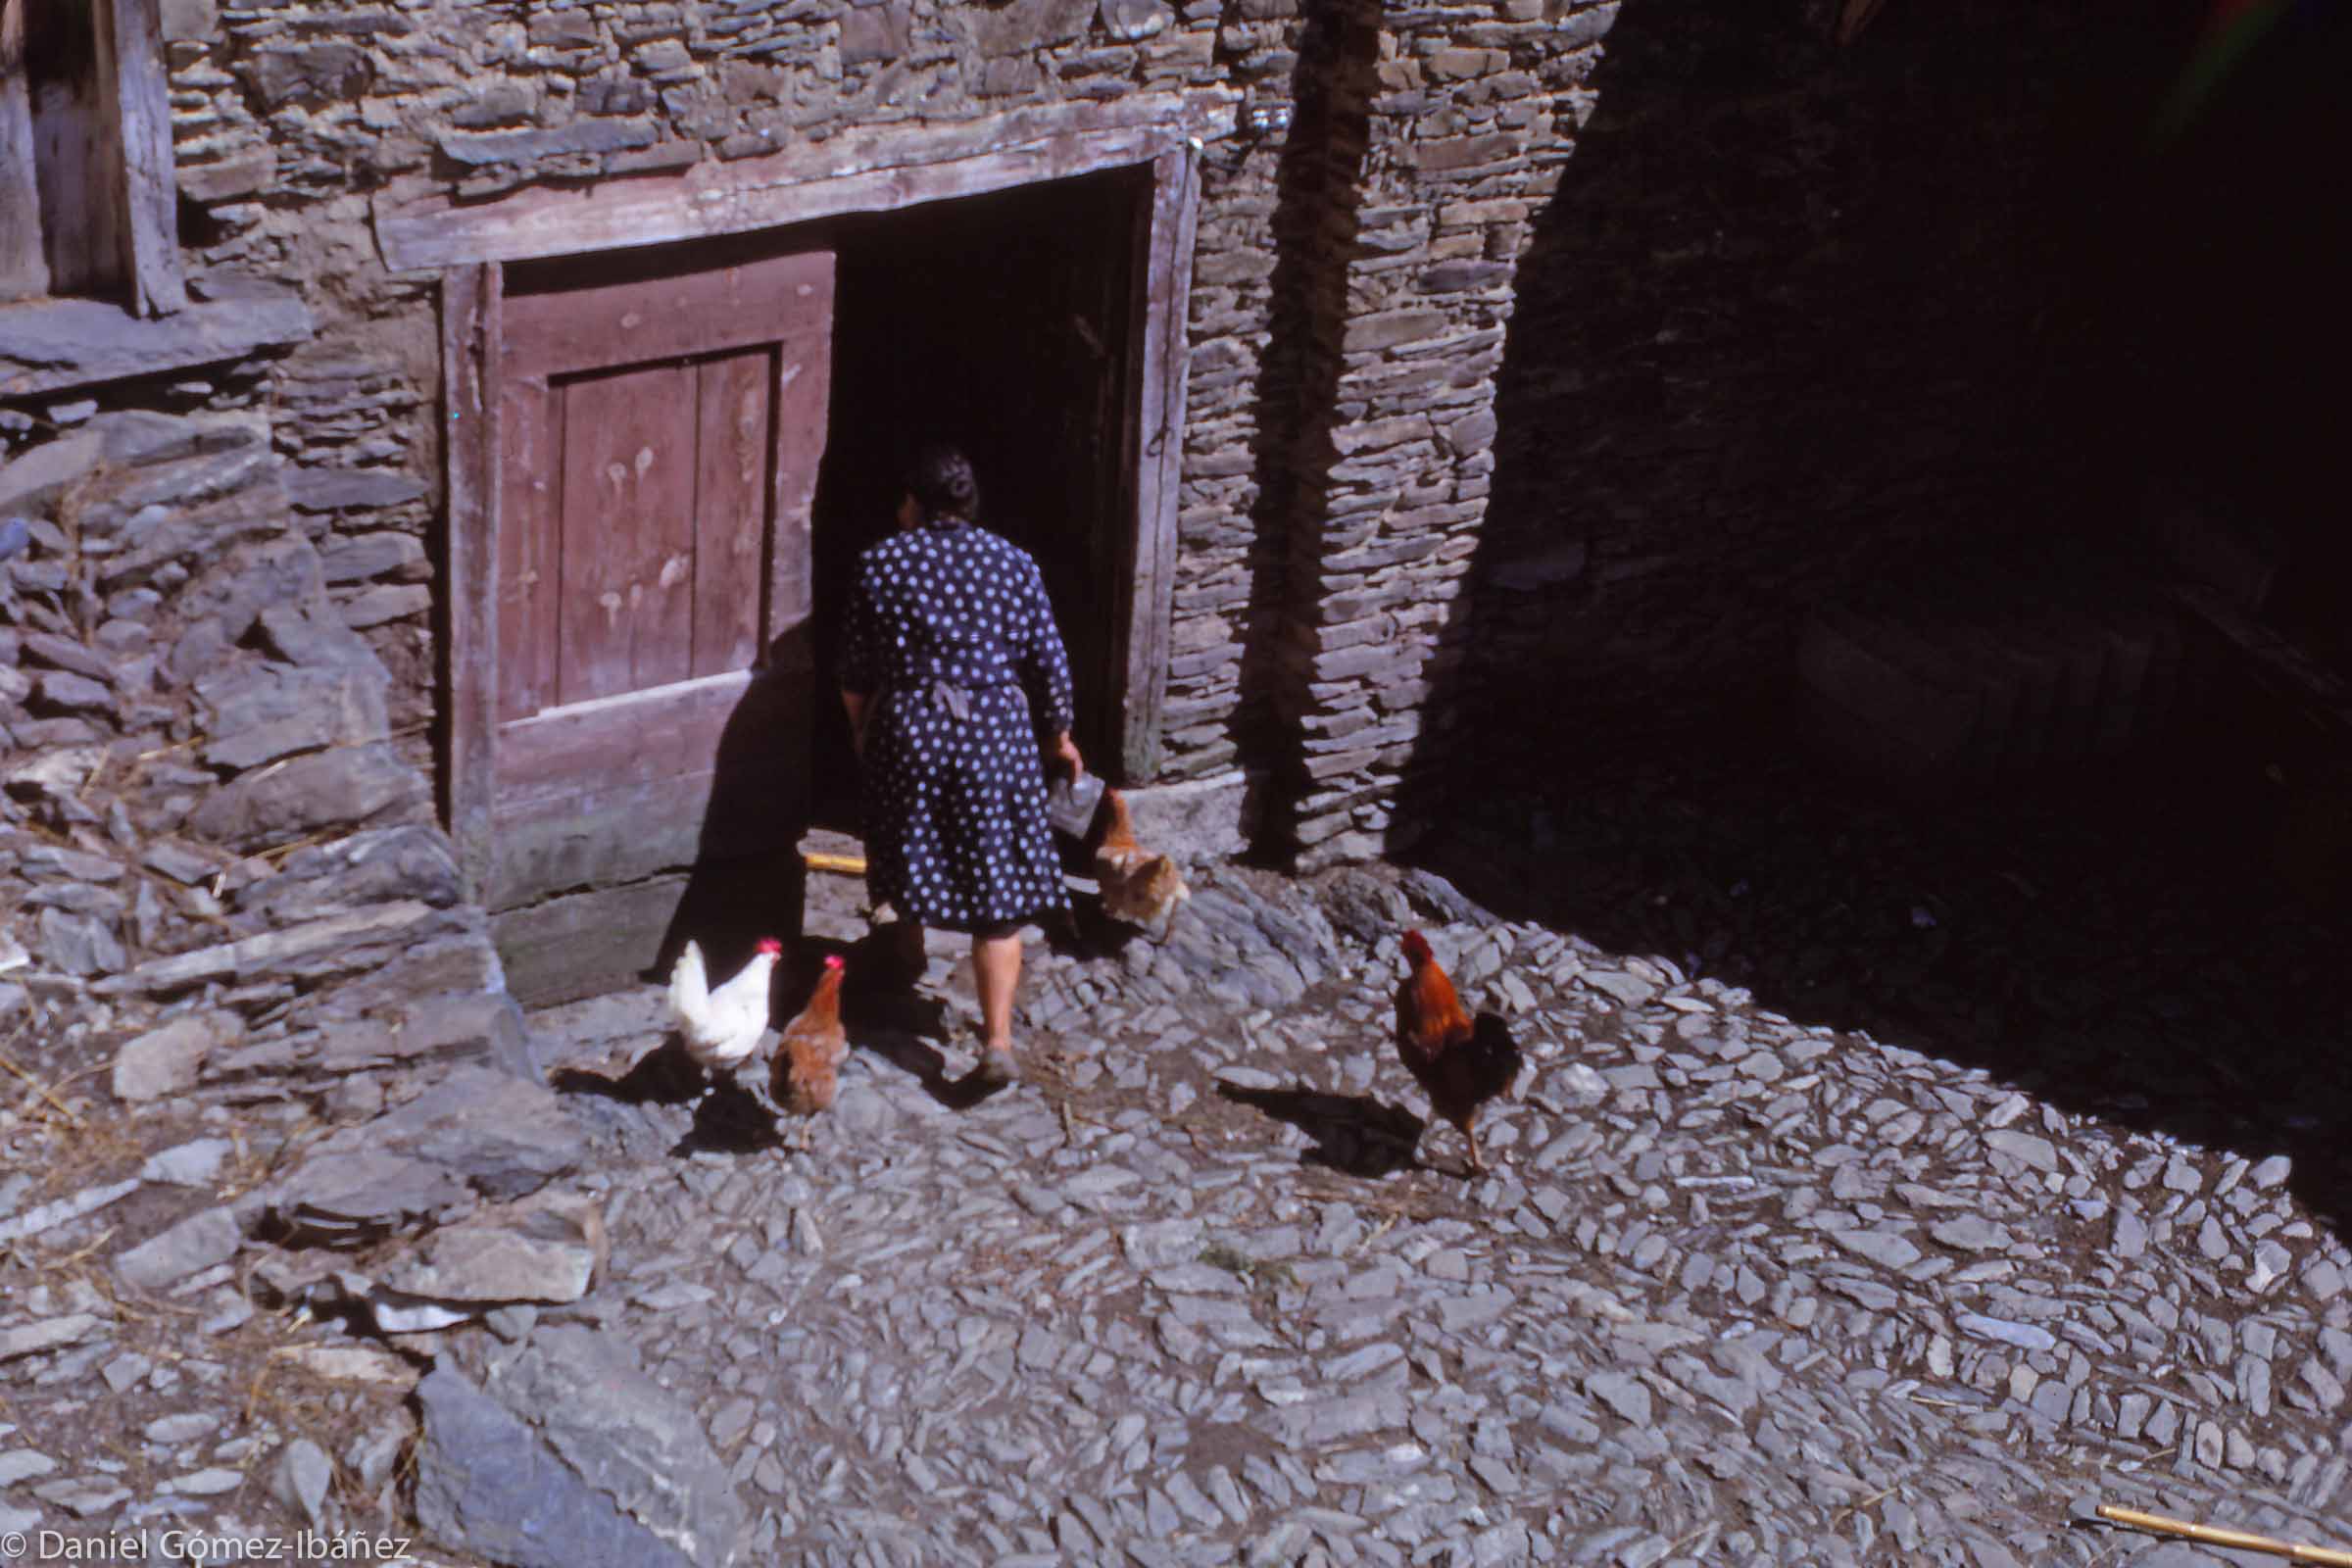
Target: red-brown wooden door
x=659, y=445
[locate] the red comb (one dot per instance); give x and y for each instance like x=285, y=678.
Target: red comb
x=833, y=961
x=770, y=947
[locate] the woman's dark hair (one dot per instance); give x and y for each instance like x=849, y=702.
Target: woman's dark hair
x=941, y=481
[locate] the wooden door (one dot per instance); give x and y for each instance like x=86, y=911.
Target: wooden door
x=660, y=444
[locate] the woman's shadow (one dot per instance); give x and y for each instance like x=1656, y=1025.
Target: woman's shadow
x=889, y=1018
x=1353, y=1134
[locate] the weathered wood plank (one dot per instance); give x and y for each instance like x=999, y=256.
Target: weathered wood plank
x=587, y=943
x=624, y=739
x=469, y=333
x=1164, y=288
x=622, y=829
x=603, y=836
x=150, y=187
x=530, y=496
x=77, y=130
x=733, y=400
x=860, y=171
x=606, y=939
x=662, y=643
x=803, y=400
x=628, y=467
x=609, y=325
x=23, y=269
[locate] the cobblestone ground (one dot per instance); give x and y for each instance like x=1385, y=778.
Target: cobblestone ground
x=1743, y=1287
x=1739, y=1290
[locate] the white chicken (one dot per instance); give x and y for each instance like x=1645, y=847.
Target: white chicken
x=721, y=1027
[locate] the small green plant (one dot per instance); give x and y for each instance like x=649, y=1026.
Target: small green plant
x=1262, y=1274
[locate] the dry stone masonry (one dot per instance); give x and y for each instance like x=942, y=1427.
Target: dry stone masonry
x=1351, y=592
x=292, y=122
x=214, y=852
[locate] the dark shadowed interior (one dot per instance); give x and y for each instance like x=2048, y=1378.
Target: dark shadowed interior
x=1003, y=323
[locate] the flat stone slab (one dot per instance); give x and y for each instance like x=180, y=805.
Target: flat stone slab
x=52, y=343
x=569, y=1455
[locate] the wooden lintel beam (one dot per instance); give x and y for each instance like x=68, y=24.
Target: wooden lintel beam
x=860, y=170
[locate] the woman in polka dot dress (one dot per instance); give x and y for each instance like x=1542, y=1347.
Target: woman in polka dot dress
x=953, y=674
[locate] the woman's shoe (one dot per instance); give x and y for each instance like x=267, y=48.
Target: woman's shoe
x=994, y=1070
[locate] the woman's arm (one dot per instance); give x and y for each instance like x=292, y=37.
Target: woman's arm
x=861, y=670
x=1046, y=670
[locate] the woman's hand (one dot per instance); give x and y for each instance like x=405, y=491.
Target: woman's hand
x=1065, y=751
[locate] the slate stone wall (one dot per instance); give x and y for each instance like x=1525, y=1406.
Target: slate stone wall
x=1452, y=441
x=290, y=119
x=1445, y=129
x=208, y=845
x=1800, y=315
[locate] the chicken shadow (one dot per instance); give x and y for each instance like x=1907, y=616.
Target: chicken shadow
x=726, y=1116
x=1356, y=1134
x=730, y=1121
x=664, y=1076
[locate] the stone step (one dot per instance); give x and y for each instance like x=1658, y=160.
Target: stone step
x=1985, y=681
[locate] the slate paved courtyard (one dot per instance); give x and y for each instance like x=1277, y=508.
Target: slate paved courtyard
x=1741, y=1288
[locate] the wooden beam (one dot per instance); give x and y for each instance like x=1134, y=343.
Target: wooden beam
x=623, y=738
x=23, y=269
x=1164, y=290
x=585, y=944
x=150, y=189
x=602, y=327
x=870, y=170
x=470, y=299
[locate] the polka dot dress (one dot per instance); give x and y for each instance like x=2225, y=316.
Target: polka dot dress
x=950, y=629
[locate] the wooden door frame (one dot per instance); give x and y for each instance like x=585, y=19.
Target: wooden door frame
x=862, y=170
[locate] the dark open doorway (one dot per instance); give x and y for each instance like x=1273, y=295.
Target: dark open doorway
x=1010, y=324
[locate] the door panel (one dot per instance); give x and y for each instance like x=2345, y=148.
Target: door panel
x=601, y=793
x=804, y=388
x=526, y=548
x=660, y=441
x=733, y=448
x=625, y=612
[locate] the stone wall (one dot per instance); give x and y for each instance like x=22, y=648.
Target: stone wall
x=210, y=851
x=1798, y=313
x=1450, y=442
x=291, y=119
x=1445, y=129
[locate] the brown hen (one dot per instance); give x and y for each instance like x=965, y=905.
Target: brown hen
x=813, y=1048
x=1138, y=886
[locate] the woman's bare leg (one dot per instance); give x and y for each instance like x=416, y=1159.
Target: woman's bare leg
x=997, y=973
